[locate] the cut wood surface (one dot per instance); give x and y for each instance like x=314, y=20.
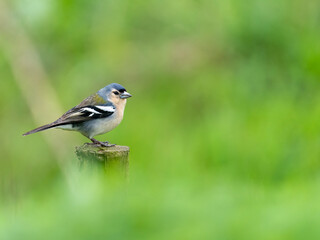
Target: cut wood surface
x=105, y=158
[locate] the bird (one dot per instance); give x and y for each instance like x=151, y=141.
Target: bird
x=97, y=114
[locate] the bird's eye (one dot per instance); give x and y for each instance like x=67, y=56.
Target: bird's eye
x=116, y=93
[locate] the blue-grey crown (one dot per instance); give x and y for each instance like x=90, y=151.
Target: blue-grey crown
x=103, y=92
x=116, y=86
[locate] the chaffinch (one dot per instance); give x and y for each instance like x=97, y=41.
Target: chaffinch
x=97, y=114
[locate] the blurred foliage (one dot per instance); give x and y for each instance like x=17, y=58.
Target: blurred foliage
x=223, y=126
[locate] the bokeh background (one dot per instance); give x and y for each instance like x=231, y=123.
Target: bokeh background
x=224, y=125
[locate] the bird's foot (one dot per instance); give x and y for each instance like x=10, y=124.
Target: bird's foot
x=108, y=144
x=103, y=144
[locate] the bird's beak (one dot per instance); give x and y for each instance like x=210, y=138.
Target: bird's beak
x=125, y=95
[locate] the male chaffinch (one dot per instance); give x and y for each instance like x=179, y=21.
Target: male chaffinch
x=97, y=114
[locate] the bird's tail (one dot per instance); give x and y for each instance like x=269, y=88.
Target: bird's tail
x=42, y=128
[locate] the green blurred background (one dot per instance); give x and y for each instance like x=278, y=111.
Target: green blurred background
x=224, y=125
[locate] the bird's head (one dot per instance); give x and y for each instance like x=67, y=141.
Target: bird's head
x=114, y=93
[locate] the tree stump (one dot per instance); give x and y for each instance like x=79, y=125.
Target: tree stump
x=109, y=159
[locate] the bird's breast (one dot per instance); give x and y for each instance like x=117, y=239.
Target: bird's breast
x=104, y=125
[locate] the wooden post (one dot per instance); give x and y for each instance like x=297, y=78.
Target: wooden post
x=108, y=159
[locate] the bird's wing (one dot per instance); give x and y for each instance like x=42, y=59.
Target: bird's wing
x=86, y=113
x=93, y=107
x=90, y=108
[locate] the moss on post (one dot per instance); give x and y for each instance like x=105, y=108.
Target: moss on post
x=115, y=159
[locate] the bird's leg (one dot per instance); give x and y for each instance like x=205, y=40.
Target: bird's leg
x=104, y=144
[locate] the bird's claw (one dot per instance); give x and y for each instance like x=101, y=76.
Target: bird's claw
x=107, y=144
x=102, y=144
